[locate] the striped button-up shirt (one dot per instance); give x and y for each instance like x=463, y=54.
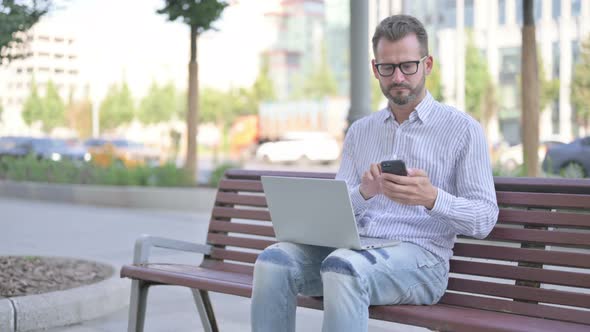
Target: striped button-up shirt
x=451, y=147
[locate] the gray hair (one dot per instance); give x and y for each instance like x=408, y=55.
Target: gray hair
x=396, y=27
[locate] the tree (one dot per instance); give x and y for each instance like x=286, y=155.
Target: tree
x=79, y=114
x=549, y=87
x=159, y=105
x=48, y=111
x=376, y=95
x=53, y=114
x=434, y=83
x=530, y=92
x=199, y=16
x=477, y=80
x=117, y=108
x=321, y=82
x=33, y=106
x=580, y=94
x=16, y=17
x=263, y=88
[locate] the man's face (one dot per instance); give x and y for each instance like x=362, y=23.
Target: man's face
x=399, y=88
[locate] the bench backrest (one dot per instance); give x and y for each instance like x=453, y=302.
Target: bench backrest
x=536, y=261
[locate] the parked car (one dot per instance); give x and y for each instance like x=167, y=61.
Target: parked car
x=569, y=160
x=511, y=157
x=121, y=152
x=300, y=147
x=43, y=148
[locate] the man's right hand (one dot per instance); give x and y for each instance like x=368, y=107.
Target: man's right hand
x=370, y=185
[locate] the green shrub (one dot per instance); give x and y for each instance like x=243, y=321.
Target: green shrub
x=31, y=169
x=217, y=173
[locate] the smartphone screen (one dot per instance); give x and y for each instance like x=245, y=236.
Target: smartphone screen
x=397, y=167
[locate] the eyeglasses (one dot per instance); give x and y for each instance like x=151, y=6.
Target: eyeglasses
x=407, y=68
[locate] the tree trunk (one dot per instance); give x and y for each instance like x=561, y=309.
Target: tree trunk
x=193, y=107
x=530, y=93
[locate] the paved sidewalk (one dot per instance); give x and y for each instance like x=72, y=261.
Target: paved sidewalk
x=108, y=234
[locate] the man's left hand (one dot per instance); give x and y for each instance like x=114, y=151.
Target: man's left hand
x=414, y=189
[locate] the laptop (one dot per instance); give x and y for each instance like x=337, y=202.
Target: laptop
x=315, y=211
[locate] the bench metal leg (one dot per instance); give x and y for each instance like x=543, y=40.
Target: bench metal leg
x=205, y=310
x=137, y=305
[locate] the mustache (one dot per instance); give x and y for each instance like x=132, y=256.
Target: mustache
x=399, y=85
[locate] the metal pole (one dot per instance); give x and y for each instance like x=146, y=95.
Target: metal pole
x=360, y=97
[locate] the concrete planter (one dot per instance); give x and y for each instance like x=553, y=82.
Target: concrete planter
x=186, y=199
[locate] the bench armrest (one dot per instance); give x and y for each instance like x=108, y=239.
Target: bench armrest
x=145, y=242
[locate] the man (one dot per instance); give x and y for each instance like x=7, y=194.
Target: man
x=449, y=190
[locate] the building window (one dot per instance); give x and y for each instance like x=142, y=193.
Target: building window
x=538, y=9
x=449, y=14
x=72, y=57
x=575, y=52
x=43, y=38
x=510, y=64
x=502, y=12
x=519, y=15
x=468, y=19
x=576, y=7
x=556, y=54
x=58, y=56
x=556, y=9
x=555, y=118
x=58, y=71
x=73, y=72
x=58, y=40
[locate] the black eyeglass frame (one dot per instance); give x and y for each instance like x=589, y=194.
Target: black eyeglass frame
x=399, y=65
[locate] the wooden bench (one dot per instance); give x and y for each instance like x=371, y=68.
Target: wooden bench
x=532, y=273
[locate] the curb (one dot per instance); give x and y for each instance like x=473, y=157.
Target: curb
x=184, y=199
x=61, y=308
x=6, y=315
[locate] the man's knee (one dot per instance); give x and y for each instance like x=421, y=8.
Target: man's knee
x=338, y=265
x=275, y=255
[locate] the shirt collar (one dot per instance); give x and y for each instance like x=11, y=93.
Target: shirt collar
x=422, y=111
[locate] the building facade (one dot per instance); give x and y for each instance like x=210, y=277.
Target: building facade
x=51, y=55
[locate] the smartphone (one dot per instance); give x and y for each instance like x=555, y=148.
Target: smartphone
x=397, y=167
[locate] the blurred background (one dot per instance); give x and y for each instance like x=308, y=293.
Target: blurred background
x=97, y=92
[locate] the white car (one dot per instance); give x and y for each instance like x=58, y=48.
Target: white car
x=317, y=147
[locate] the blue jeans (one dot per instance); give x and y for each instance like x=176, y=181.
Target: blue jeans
x=349, y=281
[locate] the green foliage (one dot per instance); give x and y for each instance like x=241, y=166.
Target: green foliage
x=218, y=172
x=263, y=88
x=31, y=169
x=320, y=83
x=117, y=108
x=580, y=94
x=477, y=79
x=53, y=114
x=160, y=104
x=33, y=106
x=18, y=16
x=434, y=83
x=549, y=88
x=200, y=14
x=49, y=111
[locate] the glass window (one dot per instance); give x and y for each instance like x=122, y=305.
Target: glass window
x=519, y=16
x=575, y=52
x=509, y=64
x=556, y=9
x=555, y=118
x=556, y=54
x=468, y=18
x=502, y=12
x=449, y=14
x=576, y=7
x=538, y=9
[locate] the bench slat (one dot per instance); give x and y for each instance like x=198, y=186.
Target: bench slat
x=234, y=227
x=563, y=278
x=229, y=212
x=541, y=236
x=233, y=255
x=543, y=200
x=240, y=199
x=544, y=218
x=521, y=308
x=551, y=257
x=255, y=174
x=220, y=239
x=240, y=185
x=520, y=292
